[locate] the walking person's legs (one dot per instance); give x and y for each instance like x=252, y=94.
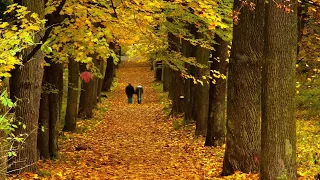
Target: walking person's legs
x=129, y=100
x=139, y=99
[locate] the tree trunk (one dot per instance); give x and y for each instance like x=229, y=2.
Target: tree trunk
x=217, y=96
x=50, y=109
x=109, y=75
x=244, y=92
x=95, y=83
x=4, y=145
x=44, y=119
x=176, y=88
x=278, y=145
x=25, y=86
x=3, y=155
x=55, y=78
x=202, y=91
x=187, y=50
x=176, y=81
x=165, y=77
x=100, y=81
x=86, y=103
x=73, y=95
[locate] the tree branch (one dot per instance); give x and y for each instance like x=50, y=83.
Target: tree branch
x=310, y=3
x=52, y=22
x=114, y=9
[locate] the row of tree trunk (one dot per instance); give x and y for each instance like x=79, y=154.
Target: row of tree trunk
x=253, y=110
x=38, y=92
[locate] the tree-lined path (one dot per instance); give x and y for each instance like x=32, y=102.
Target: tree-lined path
x=131, y=141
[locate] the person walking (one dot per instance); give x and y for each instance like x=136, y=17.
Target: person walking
x=139, y=92
x=129, y=92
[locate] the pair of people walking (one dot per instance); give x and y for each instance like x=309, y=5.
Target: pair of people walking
x=130, y=91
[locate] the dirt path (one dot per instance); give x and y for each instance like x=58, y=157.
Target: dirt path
x=131, y=141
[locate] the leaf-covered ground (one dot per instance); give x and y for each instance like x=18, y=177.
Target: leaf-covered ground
x=138, y=141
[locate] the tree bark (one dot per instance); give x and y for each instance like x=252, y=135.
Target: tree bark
x=278, y=145
x=188, y=51
x=4, y=145
x=73, y=95
x=55, y=78
x=165, y=77
x=217, y=96
x=25, y=86
x=44, y=119
x=176, y=88
x=100, y=81
x=109, y=75
x=95, y=83
x=244, y=92
x=202, y=91
x=86, y=105
x=51, y=108
x=176, y=81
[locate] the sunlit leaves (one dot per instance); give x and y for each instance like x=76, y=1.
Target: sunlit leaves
x=16, y=35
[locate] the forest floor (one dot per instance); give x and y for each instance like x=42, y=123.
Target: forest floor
x=135, y=141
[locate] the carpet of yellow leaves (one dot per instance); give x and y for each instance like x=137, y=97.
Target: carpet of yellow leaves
x=133, y=141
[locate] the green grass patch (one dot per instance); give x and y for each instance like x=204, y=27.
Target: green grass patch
x=178, y=123
x=162, y=97
x=44, y=173
x=308, y=97
x=308, y=147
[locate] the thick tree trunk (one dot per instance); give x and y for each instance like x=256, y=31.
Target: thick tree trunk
x=73, y=95
x=278, y=145
x=244, y=92
x=44, y=119
x=109, y=75
x=25, y=85
x=217, y=96
x=86, y=105
x=202, y=91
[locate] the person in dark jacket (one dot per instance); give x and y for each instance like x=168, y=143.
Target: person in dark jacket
x=139, y=92
x=129, y=92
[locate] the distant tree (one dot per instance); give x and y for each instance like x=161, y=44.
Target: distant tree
x=188, y=51
x=176, y=90
x=100, y=80
x=201, y=99
x=86, y=104
x=109, y=72
x=217, y=95
x=73, y=96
